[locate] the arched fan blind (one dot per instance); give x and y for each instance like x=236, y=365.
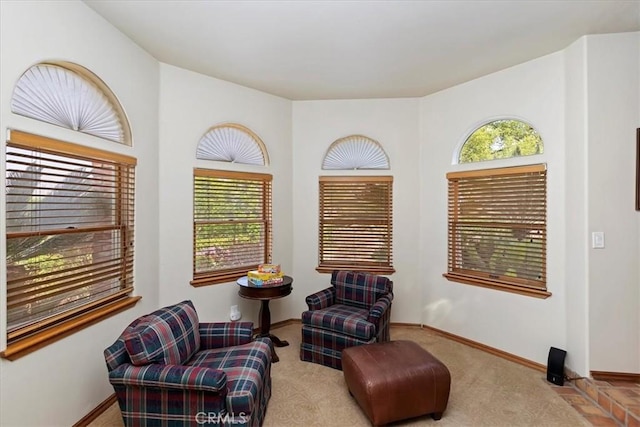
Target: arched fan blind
x=232, y=143
x=71, y=96
x=355, y=152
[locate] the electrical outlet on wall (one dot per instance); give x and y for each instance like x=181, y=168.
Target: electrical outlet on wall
x=597, y=240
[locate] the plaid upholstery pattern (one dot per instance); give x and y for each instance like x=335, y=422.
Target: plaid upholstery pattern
x=321, y=299
x=359, y=289
x=380, y=315
x=245, y=366
x=116, y=354
x=169, y=335
x=339, y=317
x=226, y=383
x=170, y=376
x=325, y=347
x=154, y=406
x=224, y=334
x=379, y=309
x=356, y=310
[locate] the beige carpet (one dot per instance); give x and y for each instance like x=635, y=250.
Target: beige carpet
x=485, y=390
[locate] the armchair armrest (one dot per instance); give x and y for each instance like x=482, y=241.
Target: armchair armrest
x=225, y=334
x=379, y=309
x=170, y=377
x=321, y=299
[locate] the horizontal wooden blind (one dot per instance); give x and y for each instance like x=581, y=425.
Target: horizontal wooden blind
x=356, y=223
x=231, y=224
x=498, y=226
x=70, y=229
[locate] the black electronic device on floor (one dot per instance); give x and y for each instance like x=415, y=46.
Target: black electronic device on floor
x=555, y=366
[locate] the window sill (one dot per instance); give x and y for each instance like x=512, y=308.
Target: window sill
x=48, y=336
x=359, y=268
x=207, y=281
x=536, y=293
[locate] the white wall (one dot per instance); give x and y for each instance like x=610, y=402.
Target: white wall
x=576, y=174
x=190, y=104
x=584, y=101
x=59, y=384
x=533, y=92
x=394, y=124
x=614, y=283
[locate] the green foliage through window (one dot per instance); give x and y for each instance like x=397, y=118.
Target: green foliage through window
x=69, y=231
x=501, y=139
x=497, y=228
x=232, y=224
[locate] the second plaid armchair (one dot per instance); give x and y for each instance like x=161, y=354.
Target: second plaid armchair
x=355, y=310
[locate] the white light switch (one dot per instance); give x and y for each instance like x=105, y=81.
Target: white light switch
x=597, y=239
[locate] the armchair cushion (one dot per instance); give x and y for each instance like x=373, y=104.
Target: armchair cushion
x=359, y=289
x=339, y=317
x=170, y=376
x=245, y=367
x=168, y=336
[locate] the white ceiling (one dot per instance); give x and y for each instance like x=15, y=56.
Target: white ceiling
x=359, y=49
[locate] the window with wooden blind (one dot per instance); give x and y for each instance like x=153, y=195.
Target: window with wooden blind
x=498, y=229
x=231, y=224
x=69, y=225
x=356, y=224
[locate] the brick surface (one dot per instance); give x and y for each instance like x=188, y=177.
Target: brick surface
x=618, y=412
x=604, y=402
x=601, y=421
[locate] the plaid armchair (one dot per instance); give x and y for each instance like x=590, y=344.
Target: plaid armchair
x=355, y=310
x=168, y=369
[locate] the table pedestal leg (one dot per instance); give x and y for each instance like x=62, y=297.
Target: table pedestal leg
x=265, y=327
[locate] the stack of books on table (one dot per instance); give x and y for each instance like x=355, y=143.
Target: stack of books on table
x=265, y=275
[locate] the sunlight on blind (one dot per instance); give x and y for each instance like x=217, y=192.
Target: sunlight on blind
x=69, y=231
x=497, y=225
x=356, y=223
x=232, y=223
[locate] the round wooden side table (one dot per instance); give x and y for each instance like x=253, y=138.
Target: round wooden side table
x=265, y=294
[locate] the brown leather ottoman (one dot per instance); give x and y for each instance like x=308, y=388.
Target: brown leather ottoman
x=395, y=380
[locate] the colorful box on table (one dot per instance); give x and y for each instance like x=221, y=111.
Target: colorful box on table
x=258, y=278
x=269, y=268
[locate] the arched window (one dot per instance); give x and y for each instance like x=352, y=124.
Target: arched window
x=69, y=95
x=234, y=143
x=70, y=210
x=355, y=210
x=232, y=225
x=501, y=139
